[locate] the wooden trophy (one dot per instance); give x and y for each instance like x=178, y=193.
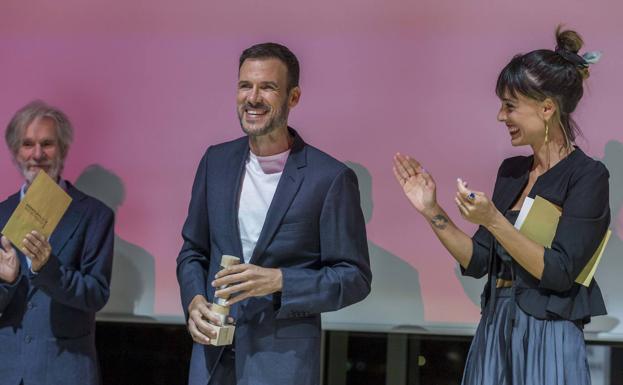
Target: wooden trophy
x=224, y=333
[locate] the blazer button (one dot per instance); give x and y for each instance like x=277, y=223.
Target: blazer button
x=30, y=306
x=27, y=339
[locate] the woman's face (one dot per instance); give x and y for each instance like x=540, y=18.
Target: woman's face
x=525, y=119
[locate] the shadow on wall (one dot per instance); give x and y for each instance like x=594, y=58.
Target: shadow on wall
x=132, y=284
x=396, y=297
x=609, y=271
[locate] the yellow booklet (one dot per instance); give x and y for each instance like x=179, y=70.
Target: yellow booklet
x=538, y=220
x=42, y=207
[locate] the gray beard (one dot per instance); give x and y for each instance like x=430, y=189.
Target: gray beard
x=29, y=176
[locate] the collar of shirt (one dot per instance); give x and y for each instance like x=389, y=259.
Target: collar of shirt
x=271, y=164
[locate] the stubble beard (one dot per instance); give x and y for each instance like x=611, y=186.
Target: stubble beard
x=280, y=119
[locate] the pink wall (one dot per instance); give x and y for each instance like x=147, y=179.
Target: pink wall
x=148, y=85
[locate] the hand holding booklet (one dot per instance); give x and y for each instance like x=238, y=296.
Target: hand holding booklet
x=42, y=207
x=538, y=220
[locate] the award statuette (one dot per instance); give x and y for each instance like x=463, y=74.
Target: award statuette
x=224, y=333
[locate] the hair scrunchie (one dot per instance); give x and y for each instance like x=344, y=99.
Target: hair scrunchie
x=572, y=57
x=583, y=61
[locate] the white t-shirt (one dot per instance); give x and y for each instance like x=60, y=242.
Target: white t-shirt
x=259, y=184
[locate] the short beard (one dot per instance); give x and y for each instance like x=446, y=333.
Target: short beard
x=279, y=120
x=54, y=172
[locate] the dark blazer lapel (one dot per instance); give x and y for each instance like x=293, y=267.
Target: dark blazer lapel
x=287, y=188
x=233, y=179
x=69, y=221
x=514, y=181
x=7, y=211
x=8, y=208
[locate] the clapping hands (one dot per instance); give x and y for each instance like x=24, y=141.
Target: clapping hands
x=417, y=184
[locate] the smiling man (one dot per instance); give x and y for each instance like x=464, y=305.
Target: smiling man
x=49, y=293
x=292, y=214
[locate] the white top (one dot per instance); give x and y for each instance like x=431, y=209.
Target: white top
x=259, y=183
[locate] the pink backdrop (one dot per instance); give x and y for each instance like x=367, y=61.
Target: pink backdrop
x=148, y=85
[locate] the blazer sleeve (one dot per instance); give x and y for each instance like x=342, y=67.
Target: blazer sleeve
x=479, y=261
x=7, y=290
x=193, y=259
x=344, y=276
x=584, y=221
x=86, y=286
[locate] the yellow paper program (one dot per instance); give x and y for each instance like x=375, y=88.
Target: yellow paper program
x=42, y=207
x=540, y=226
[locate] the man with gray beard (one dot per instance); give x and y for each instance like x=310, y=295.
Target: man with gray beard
x=49, y=293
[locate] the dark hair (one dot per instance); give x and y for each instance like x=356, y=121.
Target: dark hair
x=274, y=51
x=542, y=74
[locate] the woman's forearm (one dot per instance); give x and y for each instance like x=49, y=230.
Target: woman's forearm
x=453, y=239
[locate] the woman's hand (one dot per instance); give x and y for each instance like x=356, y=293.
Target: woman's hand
x=417, y=184
x=474, y=206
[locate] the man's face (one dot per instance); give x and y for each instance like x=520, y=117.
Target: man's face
x=263, y=98
x=39, y=150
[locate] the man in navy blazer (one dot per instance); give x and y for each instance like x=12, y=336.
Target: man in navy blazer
x=292, y=213
x=49, y=293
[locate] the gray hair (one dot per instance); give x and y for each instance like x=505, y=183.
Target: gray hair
x=35, y=110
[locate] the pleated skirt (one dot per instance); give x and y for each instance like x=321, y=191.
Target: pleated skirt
x=532, y=352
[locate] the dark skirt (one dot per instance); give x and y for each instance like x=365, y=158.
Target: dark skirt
x=533, y=352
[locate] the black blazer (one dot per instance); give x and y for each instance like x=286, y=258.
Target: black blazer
x=578, y=184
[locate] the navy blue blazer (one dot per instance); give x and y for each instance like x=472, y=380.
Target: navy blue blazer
x=47, y=326
x=579, y=185
x=314, y=232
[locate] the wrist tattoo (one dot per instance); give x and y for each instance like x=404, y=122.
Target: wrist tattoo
x=439, y=221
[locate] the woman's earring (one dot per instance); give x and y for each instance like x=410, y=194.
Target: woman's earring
x=546, y=132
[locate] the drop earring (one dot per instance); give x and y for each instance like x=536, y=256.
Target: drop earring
x=546, y=133
x=547, y=144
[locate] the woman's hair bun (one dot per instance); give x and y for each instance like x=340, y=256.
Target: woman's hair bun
x=568, y=40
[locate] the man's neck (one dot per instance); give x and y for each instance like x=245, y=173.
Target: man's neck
x=275, y=142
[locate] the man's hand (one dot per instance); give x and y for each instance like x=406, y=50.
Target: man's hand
x=37, y=249
x=200, y=315
x=246, y=281
x=9, y=263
